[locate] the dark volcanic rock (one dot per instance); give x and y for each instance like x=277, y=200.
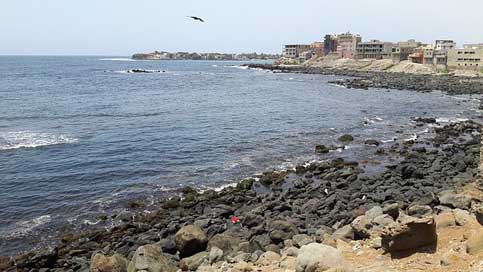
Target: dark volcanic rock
x=190, y=240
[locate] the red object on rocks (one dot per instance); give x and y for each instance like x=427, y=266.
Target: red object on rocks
x=235, y=219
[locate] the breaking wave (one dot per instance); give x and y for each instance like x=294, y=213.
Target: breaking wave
x=25, y=227
x=27, y=139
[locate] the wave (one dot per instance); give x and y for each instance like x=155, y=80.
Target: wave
x=117, y=59
x=24, y=227
x=27, y=139
x=140, y=71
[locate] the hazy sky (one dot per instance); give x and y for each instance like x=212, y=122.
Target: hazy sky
x=122, y=27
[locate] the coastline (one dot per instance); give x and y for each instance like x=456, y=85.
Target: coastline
x=315, y=199
x=361, y=79
x=326, y=195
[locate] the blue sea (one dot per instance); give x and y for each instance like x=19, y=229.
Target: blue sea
x=81, y=136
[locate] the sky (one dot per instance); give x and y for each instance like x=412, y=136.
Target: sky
x=124, y=27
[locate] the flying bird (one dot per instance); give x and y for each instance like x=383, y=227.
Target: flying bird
x=197, y=18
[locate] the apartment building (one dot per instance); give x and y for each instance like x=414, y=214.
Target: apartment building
x=330, y=44
x=347, y=45
x=294, y=50
x=374, y=49
x=441, y=48
x=470, y=58
x=403, y=49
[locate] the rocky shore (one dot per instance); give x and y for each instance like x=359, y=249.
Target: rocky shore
x=321, y=216
x=450, y=84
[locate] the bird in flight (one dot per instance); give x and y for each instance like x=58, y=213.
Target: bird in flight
x=197, y=18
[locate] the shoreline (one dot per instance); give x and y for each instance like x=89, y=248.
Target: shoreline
x=450, y=84
x=327, y=194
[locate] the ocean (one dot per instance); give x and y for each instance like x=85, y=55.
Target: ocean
x=80, y=136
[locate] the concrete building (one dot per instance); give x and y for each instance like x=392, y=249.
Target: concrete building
x=294, y=50
x=403, y=49
x=305, y=56
x=330, y=44
x=347, y=45
x=465, y=58
x=473, y=45
x=374, y=49
x=317, y=48
x=441, y=48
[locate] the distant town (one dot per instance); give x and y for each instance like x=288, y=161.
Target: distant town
x=156, y=55
x=445, y=54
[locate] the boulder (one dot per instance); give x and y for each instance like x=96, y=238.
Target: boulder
x=374, y=212
x=371, y=142
x=193, y=262
x=281, y=230
x=224, y=241
x=290, y=251
x=317, y=257
x=258, y=242
x=474, y=245
x=344, y=233
x=321, y=149
x=150, y=258
x=454, y=200
x=6, y=263
x=215, y=255
x=346, y=138
x=301, y=240
x=420, y=210
x=361, y=227
x=392, y=210
x=190, y=240
x=383, y=220
x=268, y=258
x=461, y=217
x=411, y=233
x=103, y=263
x=444, y=220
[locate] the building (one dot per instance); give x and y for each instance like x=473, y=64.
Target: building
x=428, y=54
x=403, y=49
x=294, y=50
x=330, y=44
x=374, y=49
x=347, y=45
x=473, y=45
x=317, y=48
x=305, y=56
x=441, y=48
x=466, y=58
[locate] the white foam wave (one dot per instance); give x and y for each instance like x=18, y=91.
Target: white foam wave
x=117, y=59
x=28, y=139
x=239, y=67
x=451, y=120
x=24, y=227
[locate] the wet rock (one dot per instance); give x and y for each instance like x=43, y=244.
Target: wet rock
x=346, y=138
x=321, y=149
x=410, y=234
x=190, y=240
x=245, y=184
x=371, y=142
x=102, y=263
x=150, y=258
x=281, y=230
x=193, y=262
x=318, y=257
x=454, y=200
